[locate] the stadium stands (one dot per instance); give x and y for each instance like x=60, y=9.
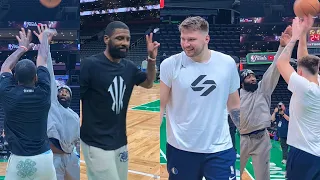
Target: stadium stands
x=224, y=38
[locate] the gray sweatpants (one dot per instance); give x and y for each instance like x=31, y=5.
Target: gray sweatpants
x=105, y=165
x=67, y=166
x=258, y=147
x=37, y=167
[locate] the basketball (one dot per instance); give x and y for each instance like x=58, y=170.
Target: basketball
x=306, y=7
x=50, y=3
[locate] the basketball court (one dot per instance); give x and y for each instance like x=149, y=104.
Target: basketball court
x=144, y=142
x=277, y=169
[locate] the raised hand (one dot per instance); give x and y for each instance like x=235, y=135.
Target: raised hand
x=297, y=28
x=25, y=39
x=286, y=36
x=44, y=28
x=152, y=47
x=307, y=23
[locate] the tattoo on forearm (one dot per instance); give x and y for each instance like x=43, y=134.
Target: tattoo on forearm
x=12, y=60
x=289, y=48
x=235, y=116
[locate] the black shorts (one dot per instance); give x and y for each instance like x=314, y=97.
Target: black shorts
x=302, y=165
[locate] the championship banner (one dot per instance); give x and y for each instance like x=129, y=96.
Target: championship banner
x=260, y=58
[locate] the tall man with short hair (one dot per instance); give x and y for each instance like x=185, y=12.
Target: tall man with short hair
x=106, y=83
x=26, y=104
x=197, y=89
x=304, y=127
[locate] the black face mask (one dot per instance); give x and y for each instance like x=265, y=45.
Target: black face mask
x=250, y=87
x=115, y=52
x=65, y=103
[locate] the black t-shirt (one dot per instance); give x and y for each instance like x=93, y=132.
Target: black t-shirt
x=105, y=89
x=26, y=113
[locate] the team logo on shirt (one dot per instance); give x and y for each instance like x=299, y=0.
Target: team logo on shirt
x=117, y=89
x=208, y=85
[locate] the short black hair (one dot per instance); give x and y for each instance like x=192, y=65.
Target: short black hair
x=114, y=25
x=25, y=71
x=311, y=63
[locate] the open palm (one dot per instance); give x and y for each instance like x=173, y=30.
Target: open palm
x=44, y=28
x=297, y=28
x=25, y=39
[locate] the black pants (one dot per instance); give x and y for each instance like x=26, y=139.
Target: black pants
x=284, y=147
x=302, y=165
x=232, y=129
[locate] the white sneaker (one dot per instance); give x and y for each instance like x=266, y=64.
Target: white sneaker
x=238, y=156
x=284, y=161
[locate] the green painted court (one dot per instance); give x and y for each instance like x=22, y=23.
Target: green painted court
x=277, y=169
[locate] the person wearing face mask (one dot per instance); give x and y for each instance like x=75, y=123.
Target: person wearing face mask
x=106, y=83
x=255, y=98
x=63, y=127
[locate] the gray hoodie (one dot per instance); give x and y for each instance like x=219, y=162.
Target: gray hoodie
x=63, y=123
x=255, y=106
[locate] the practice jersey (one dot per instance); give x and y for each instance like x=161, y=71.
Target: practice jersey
x=197, y=118
x=304, y=124
x=105, y=89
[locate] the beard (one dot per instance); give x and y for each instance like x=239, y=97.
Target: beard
x=116, y=52
x=65, y=103
x=250, y=87
x=196, y=52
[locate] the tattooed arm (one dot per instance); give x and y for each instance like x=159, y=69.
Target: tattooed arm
x=25, y=45
x=283, y=63
x=307, y=24
x=12, y=60
x=233, y=105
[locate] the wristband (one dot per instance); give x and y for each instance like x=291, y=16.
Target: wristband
x=149, y=58
x=24, y=48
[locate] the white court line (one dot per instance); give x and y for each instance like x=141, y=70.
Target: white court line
x=144, y=104
x=162, y=153
x=143, y=110
x=249, y=174
x=136, y=172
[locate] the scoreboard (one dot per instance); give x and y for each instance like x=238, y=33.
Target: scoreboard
x=313, y=38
